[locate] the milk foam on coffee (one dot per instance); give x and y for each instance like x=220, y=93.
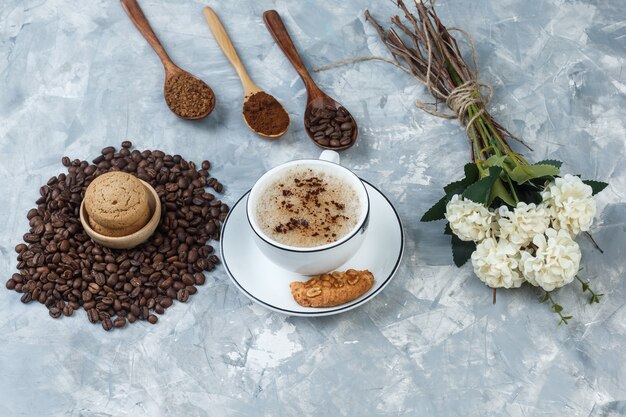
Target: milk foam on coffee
x=306, y=207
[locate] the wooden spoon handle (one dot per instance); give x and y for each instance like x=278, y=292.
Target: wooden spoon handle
x=277, y=28
x=223, y=40
x=132, y=9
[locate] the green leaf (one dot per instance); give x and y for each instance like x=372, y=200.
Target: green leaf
x=461, y=250
x=480, y=190
x=528, y=193
x=585, y=286
x=557, y=308
x=437, y=211
x=447, y=230
x=595, y=298
x=596, y=186
x=564, y=320
x=457, y=187
x=471, y=172
x=497, y=161
x=523, y=173
x=544, y=298
x=552, y=162
x=499, y=190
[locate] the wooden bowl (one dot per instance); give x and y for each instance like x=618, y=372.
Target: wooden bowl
x=134, y=239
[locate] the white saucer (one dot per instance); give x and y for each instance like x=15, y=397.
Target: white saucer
x=268, y=284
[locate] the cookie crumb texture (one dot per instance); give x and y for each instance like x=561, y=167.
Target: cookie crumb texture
x=329, y=290
x=117, y=200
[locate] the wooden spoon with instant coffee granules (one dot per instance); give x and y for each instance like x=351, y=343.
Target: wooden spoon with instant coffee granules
x=187, y=96
x=327, y=122
x=263, y=114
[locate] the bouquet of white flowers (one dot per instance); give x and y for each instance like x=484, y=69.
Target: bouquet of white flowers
x=525, y=235
x=515, y=220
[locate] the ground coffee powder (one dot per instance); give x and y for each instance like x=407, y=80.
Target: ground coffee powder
x=265, y=115
x=188, y=96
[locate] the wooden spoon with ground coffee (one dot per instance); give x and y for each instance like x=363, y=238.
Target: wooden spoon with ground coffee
x=263, y=114
x=327, y=122
x=187, y=96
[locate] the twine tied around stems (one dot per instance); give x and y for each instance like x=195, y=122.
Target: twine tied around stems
x=459, y=99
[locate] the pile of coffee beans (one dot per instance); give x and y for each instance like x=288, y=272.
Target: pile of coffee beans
x=330, y=126
x=62, y=268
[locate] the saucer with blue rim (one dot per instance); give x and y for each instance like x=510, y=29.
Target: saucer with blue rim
x=268, y=284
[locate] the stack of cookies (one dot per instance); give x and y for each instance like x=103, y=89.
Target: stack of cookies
x=117, y=204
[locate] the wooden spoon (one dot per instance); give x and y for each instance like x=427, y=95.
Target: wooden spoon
x=141, y=22
x=316, y=99
x=249, y=87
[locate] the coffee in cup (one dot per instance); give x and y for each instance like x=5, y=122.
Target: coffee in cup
x=307, y=206
x=309, y=216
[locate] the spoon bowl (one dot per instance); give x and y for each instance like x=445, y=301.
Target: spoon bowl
x=325, y=102
x=134, y=12
x=247, y=98
x=172, y=71
x=249, y=87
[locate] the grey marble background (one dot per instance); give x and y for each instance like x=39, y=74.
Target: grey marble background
x=76, y=76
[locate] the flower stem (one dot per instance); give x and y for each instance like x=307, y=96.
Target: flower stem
x=595, y=298
x=558, y=309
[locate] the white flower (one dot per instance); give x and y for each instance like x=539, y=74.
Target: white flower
x=521, y=225
x=496, y=263
x=469, y=220
x=555, y=262
x=570, y=204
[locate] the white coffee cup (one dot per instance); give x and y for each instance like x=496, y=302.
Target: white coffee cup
x=318, y=259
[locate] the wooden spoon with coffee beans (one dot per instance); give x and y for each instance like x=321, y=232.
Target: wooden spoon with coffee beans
x=186, y=95
x=262, y=113
x=327, y=122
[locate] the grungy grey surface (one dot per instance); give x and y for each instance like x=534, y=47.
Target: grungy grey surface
x=76, y=76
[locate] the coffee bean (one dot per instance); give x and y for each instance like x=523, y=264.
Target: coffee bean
x=199, y=278
x=182, y=295
x=107, y=324
x=330, y=127
x=119, y=322
x=152, y=319
x=127, y=144
x=92, y=315
x=68, y=310
x=20, y=248
x=55, y=312
x=65, y=161
x=31, y=238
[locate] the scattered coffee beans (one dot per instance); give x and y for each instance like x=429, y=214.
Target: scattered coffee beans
x=188, y=96
x=60, y=267
x=330, y=126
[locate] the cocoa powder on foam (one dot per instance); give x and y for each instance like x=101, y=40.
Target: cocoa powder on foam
x=307, y=207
